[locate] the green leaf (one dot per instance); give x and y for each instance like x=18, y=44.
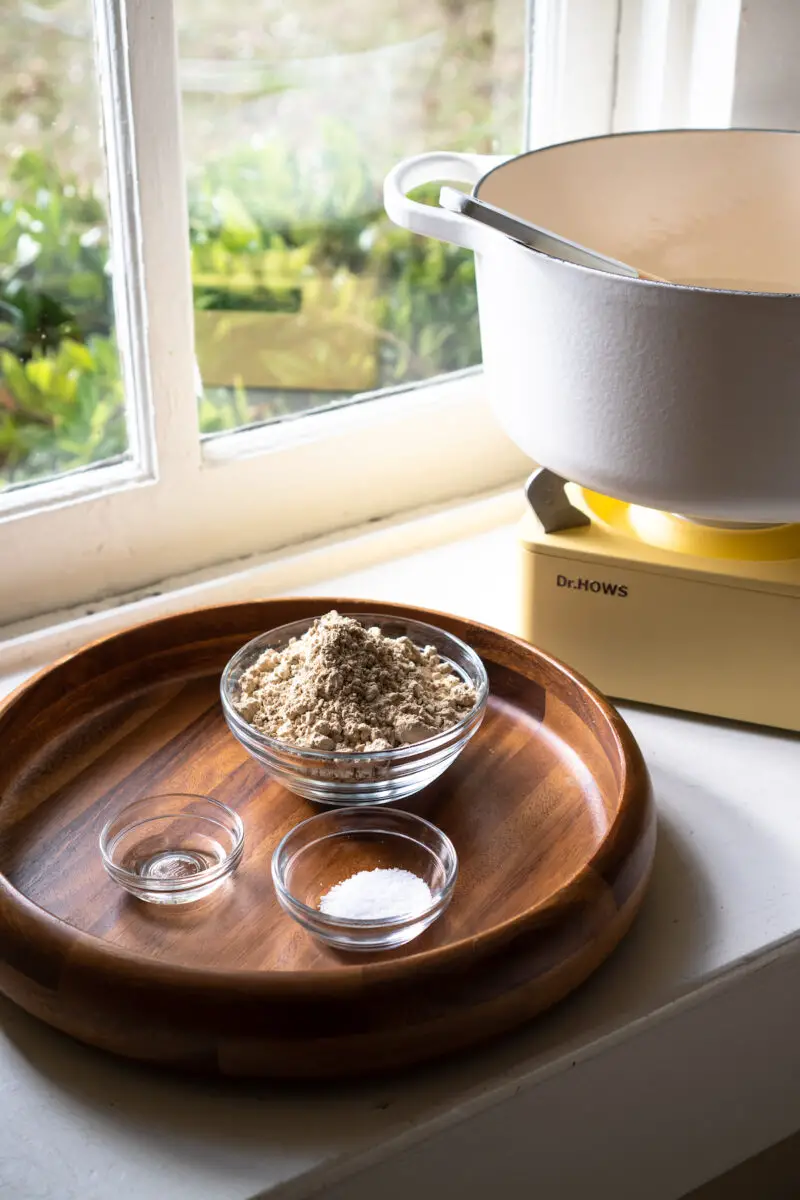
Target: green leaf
x=17, y=381
x=85, y=285
x=76, y=355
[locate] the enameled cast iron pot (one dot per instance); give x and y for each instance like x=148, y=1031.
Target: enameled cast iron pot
x=682, y=396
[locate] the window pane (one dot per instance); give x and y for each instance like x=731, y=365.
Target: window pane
x=61, y=404
x=305, y=294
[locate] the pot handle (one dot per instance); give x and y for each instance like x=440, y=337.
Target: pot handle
x=444, y=166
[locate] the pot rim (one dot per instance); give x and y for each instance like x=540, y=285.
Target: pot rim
x=650, y=133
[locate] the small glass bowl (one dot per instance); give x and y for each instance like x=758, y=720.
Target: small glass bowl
x=172, y=849
x=330, y=847
x=341, y=777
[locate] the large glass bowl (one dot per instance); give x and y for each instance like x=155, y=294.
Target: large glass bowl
x=378, y=777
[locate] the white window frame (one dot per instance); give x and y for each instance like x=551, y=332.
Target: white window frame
x=603, y=66
x=180, y=504
x=676, y=64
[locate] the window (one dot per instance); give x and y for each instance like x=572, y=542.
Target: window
x=305, y=295
x=61, y=403
x=213, y=343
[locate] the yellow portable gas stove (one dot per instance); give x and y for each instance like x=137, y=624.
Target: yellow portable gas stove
x=660, y=608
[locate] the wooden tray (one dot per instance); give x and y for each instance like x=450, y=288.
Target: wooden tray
x=549, y=807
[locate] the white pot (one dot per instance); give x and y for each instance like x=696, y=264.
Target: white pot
x=685, y=398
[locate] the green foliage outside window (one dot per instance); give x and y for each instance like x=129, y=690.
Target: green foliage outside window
x=262, y=228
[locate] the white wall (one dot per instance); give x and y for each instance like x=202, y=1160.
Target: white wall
x=767, y=89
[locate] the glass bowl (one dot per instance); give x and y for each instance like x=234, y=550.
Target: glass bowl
x=172, y=849
x=329, y=848
x=342, y=777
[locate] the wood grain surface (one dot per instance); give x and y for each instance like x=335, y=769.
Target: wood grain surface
x=549, y=808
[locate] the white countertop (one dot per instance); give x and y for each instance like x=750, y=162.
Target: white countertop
x=673, y=1063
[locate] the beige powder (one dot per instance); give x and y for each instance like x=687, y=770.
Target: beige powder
x=342, y=686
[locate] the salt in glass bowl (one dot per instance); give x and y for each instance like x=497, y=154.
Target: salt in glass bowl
x=328, y=848
x=336, y=777
x=172, y=849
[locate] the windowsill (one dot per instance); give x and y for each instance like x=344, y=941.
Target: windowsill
x=27, y=645
x=673, y=1063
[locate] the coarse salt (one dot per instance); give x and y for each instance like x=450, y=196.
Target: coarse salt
x=372, y=895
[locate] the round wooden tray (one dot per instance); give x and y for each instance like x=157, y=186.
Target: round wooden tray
x=549, y=807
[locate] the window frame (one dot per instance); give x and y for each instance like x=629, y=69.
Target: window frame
x=676, y=64
x=179, y=504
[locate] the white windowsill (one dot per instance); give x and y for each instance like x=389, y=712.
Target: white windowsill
x=26, y=645
x=676, y=1061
